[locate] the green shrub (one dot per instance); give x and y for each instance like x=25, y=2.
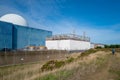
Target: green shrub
x=86, y=53
x=53, y=64
x=58, y=64
x=98, y=47
x=69, y=60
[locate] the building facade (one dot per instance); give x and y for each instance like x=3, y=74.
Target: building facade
x=67, y=45
x=18, y=37
x=68, y=42
x=5, y=35
x=97, y=45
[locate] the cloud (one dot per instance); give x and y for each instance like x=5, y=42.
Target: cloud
x=46, y=14
x=35, y=11
x=98, y=35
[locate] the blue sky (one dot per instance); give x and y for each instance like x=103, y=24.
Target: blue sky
x=100, y=19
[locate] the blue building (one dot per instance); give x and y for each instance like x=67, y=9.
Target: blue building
x=17, y=37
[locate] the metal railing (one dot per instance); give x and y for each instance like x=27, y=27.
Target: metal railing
x=68, y=37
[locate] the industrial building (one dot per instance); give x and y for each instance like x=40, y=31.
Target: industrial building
x=16, y=34
x=97, y=45
x=68, y=42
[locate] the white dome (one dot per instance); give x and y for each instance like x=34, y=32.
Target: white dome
x=15, y=19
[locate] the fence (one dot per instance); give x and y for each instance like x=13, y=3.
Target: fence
x=21, y=57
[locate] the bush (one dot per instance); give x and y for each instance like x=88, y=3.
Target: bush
x=98, y=47
x=53, y=64
x=86, y=53
x=69, y=60
x=113, y=46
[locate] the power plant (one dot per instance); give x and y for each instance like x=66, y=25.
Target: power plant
x=20, y=43
x=16, y=34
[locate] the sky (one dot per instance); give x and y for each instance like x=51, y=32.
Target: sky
x=99, y=19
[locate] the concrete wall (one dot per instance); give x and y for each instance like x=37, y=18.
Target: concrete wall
x=67, y=45
x=58, y=44
x=79, y=45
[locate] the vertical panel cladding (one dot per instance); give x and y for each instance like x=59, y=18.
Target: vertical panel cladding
x=20, y=37
x=64, y=44
x=67, y=45
x=17, y=37
x=52, y=44
x=14, y=38
x=79, y=45
x=26, y=36
x=37, y=37
x=58, y=44
x=5, y=35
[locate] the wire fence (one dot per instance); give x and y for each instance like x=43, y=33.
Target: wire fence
x=22, y=57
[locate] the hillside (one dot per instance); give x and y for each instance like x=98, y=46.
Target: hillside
x=93, y=65
x=101, y=65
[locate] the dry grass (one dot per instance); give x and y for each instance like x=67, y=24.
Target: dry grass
x=24, y=71
x=74, y=66
x=103, y=66
x=79, y=68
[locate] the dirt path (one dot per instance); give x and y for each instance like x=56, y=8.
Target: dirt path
x=104, y=72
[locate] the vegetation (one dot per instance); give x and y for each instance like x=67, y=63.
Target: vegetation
x=99, y=47
x=115, y=67
x=69, y=60
x=76, y=72
x=53, y=64
x=98, y=62
x=88, y=52
x=60, y=75
x=113, y=46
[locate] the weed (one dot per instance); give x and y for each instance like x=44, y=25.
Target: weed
x=48, y=77
x=86, y=53
x=61, y=75
x=50, y=65
x=53, y=64
x=69, y=60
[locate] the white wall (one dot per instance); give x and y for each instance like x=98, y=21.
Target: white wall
x=58, y=44
x=92, y=45
x=67, y=45
x=79, y=45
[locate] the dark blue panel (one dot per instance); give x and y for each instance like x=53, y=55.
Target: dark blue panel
x=20, y=37
x=26, y=36
x=17, y=37
x=5, y=35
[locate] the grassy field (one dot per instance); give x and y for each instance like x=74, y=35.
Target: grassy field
x=97, y=64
